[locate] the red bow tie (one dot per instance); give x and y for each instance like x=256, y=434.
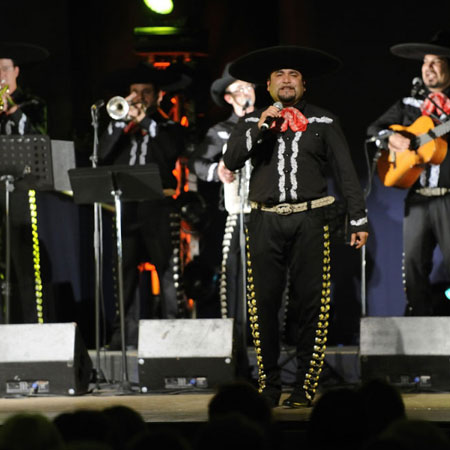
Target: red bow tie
x=293, y=119
x=440, y=99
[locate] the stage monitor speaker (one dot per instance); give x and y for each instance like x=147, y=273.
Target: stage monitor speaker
x=185, y=353
x=408, y=352
x=48, y=359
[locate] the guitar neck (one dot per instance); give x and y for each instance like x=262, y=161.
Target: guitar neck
x=432, y=134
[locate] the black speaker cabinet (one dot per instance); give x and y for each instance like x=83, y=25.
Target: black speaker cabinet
x=48, y=359
x=185, y=353
x=409, y=352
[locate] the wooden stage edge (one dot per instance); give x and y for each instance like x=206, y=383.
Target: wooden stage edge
x=193, y=407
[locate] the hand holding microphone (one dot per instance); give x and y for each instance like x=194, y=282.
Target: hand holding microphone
x=269, y=115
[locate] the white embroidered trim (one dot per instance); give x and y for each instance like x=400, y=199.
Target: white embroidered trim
x=322, y=119
x=152, y=129
x=280, y=166
x=133, y=151
x=8, y=127
x=211, y=170
x=434, y=175
x=411, y=101
x=22, y=122
x=294, y=165
x=248, y=141
x=359, y=222
x=223, y=134
x=144, y=150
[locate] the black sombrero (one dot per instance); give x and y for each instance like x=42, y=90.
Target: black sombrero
x=22, y=53
x=256, y=67
x=219, y=86
x=169, y=79
x=439, y=45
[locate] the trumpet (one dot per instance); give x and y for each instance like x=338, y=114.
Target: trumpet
x=118, y=108
x=4, y=90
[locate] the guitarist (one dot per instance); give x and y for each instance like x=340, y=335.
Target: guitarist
x=427, y=205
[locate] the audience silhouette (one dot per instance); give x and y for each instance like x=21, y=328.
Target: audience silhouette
x=371, y=416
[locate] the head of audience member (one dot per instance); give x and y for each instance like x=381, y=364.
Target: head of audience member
x=158, y=438
x=240, y=397
x=337, y=421
x=232, y=431
x=383, y=404
x=407, y=434
x=26, y=431
x=83, y=425
x=124, y=424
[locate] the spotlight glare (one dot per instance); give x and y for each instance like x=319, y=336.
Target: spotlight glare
x=160, y=6
x=447, y=293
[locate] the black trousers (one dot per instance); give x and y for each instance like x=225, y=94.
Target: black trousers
x=426, y=224
x=298, y=243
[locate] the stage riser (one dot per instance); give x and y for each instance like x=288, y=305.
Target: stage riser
x=409, y=352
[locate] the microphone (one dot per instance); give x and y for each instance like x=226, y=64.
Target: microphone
x=417, y=87
x=98, y=104
x=269, y=120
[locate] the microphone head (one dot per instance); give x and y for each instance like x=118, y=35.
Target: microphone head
x=278, y=105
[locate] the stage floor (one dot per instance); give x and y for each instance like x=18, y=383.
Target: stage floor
x=193, y=407
x=182, y=406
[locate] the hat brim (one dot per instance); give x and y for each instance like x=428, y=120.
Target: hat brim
x=22, y=53
x=418, y=50
x=165, y=79
x=218, y=88
x=256, y=67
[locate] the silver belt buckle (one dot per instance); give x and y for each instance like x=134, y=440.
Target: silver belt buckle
x=284, y=209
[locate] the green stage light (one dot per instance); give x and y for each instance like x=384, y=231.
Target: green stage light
x=160, y=6
x=447, y=293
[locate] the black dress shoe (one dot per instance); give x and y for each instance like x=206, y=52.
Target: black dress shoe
x=297, y=399
x=272, y=396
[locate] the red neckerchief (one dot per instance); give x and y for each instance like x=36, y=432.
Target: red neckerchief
x=441, y=100
x=293, y=119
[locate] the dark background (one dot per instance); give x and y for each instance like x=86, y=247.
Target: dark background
x=88, y=40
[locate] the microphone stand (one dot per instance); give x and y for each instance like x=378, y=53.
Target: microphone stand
x=367, y=191
x=98, y=251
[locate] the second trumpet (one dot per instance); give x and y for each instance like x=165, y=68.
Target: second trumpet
x=118, y=108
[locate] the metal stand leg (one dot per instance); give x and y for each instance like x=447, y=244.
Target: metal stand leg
x=98, y=256
x=126, y=385
x=9, y=187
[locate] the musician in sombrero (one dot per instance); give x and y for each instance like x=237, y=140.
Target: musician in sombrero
x=290, y=144
x=23, y=113
x=416, y=158
x=206, y=162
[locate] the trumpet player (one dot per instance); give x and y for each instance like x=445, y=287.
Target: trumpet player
x=141, y=134
x=20, y=112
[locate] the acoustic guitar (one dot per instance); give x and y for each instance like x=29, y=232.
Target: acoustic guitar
x=402, y=169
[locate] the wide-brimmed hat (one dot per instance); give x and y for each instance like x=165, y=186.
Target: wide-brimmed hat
x=169, y=79
x=219, y=86
x=22, y=53
x=256, y=67
x=439, y=45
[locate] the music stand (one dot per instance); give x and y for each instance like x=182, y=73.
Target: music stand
x=118, y=183
x=30, y=162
